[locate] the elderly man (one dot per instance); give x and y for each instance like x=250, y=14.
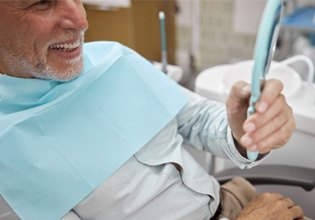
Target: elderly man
x=95, y=132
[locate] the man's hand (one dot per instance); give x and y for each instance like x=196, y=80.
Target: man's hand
x=270, y=127
x=271, y=206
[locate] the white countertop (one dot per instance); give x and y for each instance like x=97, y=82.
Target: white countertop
x=209, y=83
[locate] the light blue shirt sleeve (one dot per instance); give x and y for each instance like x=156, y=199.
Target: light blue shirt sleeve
x=203, y=124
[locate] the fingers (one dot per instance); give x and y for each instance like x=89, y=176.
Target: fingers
x=273, y=123
x=288, y=210
x=270, y=93
x=282, y=205
x=274, y=110
x=271, y=206
x=276, y=139
x=288, y=203
x=269, y=127
x=271, y=135
x=274, y=133
x=296, y=212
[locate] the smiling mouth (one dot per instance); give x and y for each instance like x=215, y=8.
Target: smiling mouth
x=66, y=47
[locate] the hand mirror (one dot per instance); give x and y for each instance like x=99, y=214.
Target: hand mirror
x=264, y=50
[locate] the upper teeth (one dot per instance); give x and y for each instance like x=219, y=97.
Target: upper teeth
x=66, y=45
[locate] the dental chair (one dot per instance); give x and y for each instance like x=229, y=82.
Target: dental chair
x=294, y=182
x=273, y=175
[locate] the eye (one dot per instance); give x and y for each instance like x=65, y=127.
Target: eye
x=42, y=4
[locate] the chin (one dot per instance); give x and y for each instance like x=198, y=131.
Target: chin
x=55, y=75
x=64, y=78
x=62, y=73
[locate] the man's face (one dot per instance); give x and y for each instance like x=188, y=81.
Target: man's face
x=42, y=38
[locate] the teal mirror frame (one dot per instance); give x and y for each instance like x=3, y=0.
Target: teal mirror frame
x=264, y=50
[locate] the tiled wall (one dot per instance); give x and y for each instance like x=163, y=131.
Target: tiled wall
x=219, y=43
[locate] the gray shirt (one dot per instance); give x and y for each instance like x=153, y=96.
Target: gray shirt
x=163, y=181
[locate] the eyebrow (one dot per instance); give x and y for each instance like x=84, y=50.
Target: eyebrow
x=24, y=3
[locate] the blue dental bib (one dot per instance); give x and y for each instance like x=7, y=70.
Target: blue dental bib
x=60, y=140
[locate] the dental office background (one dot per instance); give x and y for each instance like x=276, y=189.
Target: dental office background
x=200, y=33
x=217, y=32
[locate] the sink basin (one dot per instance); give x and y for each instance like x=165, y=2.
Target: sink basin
x=243, y=71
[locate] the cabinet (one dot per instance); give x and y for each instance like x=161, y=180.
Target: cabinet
x=137, y=26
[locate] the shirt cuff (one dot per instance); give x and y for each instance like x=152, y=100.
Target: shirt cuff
x=236, y=157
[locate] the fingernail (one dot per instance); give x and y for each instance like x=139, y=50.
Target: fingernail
x=262, y=107
x=245, y=90
x=249, y=127
x=246, y=140
x=253, y=147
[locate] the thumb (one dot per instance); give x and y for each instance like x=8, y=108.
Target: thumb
x=236, y=107
x=238, y=96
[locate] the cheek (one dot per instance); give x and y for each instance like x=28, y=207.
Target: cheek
x=12, y=39
x=28, y=43
x=39, y=30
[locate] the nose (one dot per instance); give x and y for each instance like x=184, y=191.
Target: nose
x=73, y=15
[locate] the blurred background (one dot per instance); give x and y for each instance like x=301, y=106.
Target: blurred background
x=200, y=33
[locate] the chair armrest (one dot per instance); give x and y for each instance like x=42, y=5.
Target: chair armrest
x=272, y=174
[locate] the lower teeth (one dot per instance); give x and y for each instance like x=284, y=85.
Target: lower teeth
x=65, y=50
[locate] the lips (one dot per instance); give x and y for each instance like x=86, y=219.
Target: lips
x=66, y=47
x=66, y=50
